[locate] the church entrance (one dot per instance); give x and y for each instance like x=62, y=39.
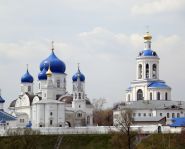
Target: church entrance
x=139, y=94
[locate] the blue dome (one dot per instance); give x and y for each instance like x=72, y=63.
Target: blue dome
x=157, y=84
x=78, y=75
x=56, y=65
x=27, y=78
x=42, y=75
x=1, y=100
x=148, y=52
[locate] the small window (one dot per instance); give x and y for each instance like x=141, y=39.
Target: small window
x=79, y=115
x=147, y=71
x=161, y=114
x=79, y=95
x=166, y=96
x=29, y=88
x=79, y=106
x=150, y=114
x=150, y=96
x=178, y=114
x=173, y=115
x=51, y=122
x=128, y=97
x=51, y=113
x=168, y=115
x=158, y=96
x=139, y=114
x=40, y=125
x=58, y=83
x=144, y=114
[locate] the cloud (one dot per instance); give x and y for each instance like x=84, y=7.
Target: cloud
x=158, y=6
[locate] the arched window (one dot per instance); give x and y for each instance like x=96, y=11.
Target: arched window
x=150, y=96
x=166, y=96
x=29, y=88
x=58, y=83
x=178, y=114
x=79, y=95
x=88, y=120
x=147, y=71
x=158, y=95
x=173, y=115
x=139, y=94
x=75, y=95
x=154, y=71
x=168, y=115
x=128, y=97
x=140, y=71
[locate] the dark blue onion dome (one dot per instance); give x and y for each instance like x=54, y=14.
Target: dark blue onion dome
x=27, y=78
x=148, y=52
x=42, y=75
x=78, y=75
x=56, y=65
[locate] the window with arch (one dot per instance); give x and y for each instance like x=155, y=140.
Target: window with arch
x=128, y=98
x=158, y=95
x=154, y=71
x=79, y=95
x=173, y=115
x=150, y=96
x=58, y=83
x=88, y=120
x=139, y=94
x=178, y=114
x=140, y=71
x=168, y=115
x=75, y=95
x=166, y=96
x=147, y=71
x=29, y=88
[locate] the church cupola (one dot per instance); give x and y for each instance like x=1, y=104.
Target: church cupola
x=78, y=85
x=27, y=83
x=27, y=77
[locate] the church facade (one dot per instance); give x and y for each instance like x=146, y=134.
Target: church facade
x=148, y=97
x=52, y=105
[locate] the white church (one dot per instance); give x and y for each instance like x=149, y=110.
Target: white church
x=52, y=105
x=148, y=97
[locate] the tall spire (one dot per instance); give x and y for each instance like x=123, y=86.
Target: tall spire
x=52, y=45
x=78, y=64
x=27, y=67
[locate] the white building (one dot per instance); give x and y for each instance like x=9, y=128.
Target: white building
x=52, y=105
x=148, y=96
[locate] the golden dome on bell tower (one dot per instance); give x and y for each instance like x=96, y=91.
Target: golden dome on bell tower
x=147, y=36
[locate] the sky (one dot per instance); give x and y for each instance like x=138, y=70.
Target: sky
x=104, y=36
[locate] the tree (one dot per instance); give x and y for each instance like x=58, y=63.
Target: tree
x=98, y=104
x=123, y=122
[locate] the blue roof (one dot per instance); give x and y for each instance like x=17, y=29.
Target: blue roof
x=178, y=122
x=56, y=65
x=27, y=78
x=157, y=84
x=6, y=117
x=42, y=75
x=29, y=125
x=78, y=75
x=148, y=52
x=1, y=100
